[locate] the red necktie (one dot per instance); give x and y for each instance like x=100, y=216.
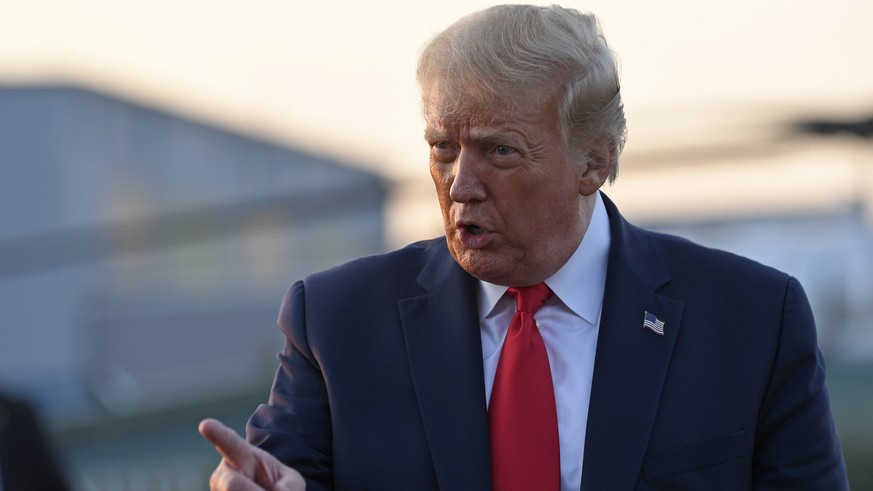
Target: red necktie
x=525, y=453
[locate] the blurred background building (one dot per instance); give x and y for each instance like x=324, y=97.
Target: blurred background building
x=167, y=170
x=143, y=256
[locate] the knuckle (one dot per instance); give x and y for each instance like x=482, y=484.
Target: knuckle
x=221, y=478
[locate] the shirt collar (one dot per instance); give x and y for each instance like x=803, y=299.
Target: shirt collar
x=580, y=282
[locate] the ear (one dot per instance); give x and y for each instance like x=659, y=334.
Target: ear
x=599, y=160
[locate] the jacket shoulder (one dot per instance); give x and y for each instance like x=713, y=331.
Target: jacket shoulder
x=397, y=269
x=681, y=254
x=658, y=257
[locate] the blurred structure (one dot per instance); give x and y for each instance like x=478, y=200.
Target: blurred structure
x=861, y=128
x=142, y=260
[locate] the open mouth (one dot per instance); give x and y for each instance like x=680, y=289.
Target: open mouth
x=472, y=236
x=473, y=229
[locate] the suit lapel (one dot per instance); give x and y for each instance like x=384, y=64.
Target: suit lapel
x=631, y=361
x=444, y=346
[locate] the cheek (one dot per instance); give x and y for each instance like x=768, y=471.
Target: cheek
x=550, y=209
x=441, y=175
x=436, y=177
x=441, y=186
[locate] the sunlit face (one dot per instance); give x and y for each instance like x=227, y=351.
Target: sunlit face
x=515, y=200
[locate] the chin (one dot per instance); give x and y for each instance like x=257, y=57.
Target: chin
x=482, y=268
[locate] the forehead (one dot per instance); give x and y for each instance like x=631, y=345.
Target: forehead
x=518, y=107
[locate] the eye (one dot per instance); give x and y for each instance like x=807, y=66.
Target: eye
x=504, y=150
x=443, y=151
x=503, y=156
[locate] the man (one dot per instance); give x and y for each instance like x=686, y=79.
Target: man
x=669, y=366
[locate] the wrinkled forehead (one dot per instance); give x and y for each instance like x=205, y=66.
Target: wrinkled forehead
x=442, y=113
x=447, y=104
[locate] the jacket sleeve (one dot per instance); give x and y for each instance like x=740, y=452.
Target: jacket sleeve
x=295, y=425
x=796, y=446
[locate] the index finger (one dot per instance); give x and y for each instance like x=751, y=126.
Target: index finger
x=228, y=443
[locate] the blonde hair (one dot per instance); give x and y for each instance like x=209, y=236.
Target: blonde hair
x=506, y=51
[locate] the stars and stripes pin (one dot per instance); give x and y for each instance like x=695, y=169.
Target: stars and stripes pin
x=652, y=323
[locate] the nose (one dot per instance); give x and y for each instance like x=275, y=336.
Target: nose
x=466, y=183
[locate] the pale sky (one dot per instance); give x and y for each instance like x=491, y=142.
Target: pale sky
x=338, y=77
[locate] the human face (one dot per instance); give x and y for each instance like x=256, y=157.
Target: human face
x=515, y=200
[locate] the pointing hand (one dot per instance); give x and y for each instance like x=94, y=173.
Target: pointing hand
x=245, y=467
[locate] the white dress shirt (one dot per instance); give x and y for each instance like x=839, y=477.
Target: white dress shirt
x=568, y=323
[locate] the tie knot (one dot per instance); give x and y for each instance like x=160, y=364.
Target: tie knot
x=530, y=298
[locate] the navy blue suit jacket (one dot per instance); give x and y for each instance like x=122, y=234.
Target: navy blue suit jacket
x=380, y=385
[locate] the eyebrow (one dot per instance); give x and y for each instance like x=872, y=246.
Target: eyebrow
x=494, y=134
x=482, y=134
x=432, y=134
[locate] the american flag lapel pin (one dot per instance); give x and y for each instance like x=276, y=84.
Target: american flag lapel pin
x=652, y=323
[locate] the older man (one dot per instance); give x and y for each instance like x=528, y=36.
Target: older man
x=544, y=343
